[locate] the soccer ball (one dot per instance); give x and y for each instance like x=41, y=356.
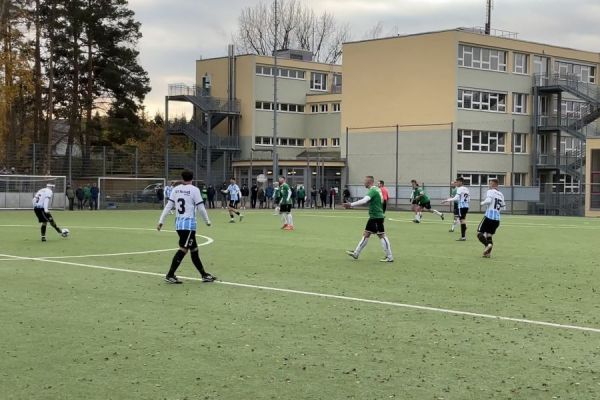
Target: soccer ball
x=65, y=232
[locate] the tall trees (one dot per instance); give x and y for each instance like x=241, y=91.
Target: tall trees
x=70, y=60
x=298, y=27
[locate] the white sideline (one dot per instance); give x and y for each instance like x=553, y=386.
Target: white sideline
x=329, y=296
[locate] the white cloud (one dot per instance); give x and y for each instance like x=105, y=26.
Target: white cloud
x=177, y=32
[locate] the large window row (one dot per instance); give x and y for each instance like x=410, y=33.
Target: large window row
x=283, y=72
x=284, y=107
x=481, y=58
x=325, y=107
x=573, y=109
x=585, y=73
x=296, y=142
x=495, y=60
x=481, y=179
x=491, y=142
x=481, y=100
x=281, y=141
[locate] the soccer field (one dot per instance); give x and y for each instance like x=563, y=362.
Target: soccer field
x=294, y=317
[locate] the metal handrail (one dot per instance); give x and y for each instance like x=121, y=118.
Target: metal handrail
x=571, y=81
x=201, y=136
x=204, y=99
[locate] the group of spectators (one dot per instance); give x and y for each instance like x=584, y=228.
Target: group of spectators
x=8, y=171
x=84, y=197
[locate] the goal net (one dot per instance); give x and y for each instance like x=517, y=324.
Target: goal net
x=16, y=191
x=129, y=193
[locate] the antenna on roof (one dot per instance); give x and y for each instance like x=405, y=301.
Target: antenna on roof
x=488, y=16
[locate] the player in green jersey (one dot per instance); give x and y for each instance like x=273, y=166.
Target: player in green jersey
x=285, y=205
x=375, y=226
x=421, y=201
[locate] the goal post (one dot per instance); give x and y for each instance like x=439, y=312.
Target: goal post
x=129, y=193
x=17, y=191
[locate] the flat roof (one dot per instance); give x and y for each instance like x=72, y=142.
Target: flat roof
x=264, y=55
x=468, y=31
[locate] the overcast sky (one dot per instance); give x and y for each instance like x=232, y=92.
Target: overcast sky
x=178, y=32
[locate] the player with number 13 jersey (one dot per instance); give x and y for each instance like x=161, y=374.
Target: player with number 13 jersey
x=186, y=199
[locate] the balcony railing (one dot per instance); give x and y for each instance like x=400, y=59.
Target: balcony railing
x=570, y=81
x=568, y=123
x=201, y=96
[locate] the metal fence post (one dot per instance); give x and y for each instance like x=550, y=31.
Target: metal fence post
x=34, y=155
x=136, y=162
x=397, y=155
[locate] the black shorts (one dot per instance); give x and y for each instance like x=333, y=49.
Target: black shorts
x=384, y=205
x=462, y=213
x=488, y=226
x=375, y=225
x=426, y=206
x=233, y=203
x=456, y=210
x=187, y=239
x=285, y=208
x=42, y=215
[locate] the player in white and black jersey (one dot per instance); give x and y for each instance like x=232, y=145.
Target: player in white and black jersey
x=186, y=199
x=461, y=199
x=41, y=203
x=494, y=199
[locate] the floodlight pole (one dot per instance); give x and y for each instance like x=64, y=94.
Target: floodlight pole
x=275, y=105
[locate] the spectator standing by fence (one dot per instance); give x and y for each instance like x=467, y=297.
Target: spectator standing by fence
x=160, y=195
x=261, y=198
x=253, y=195
x=269, y=196
x=245, y=193
x=301, y=196
x=80, y=196
x=87, y=196
x=210, y=192
x=323, y=196
x=94, y=192
x=70, y=193
x=332, y=195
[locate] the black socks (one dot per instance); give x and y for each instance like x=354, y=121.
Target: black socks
x=176, y=261
x=482, y=238
x=43, y=229
x=197, y=262
x=463, y=230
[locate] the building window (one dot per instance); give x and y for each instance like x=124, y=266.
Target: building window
x=318, y=81
x=480, y=100
x=520, y=143
x=263, y=140
x=521, y=63
x=481, y=179
x=489, y=142
x=573, y=109
x=520, y=103
x=337, y=83
x=323, y=142
x=324, y=107
x=283, y=72
x=568, y=184
x=337, y=107
x=584, y=73
x=518, y=179
x=335, y=142
x=314, y=108
x=314, y=142
x=481, y=58
x=283, y=107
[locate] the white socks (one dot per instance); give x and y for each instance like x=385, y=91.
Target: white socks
x=289, y=219
x=283, y=218
x=436, y=212
x=361, y=245
x=387, y=248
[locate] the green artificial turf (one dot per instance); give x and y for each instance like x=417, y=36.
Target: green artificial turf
x=72, y=332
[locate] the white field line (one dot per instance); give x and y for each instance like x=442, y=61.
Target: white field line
x=331, y=296
x=449, y=221
x=208, y=241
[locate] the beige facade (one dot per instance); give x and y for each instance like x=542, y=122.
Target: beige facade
x=308, y=121
x=417, y=80
x=592, y=197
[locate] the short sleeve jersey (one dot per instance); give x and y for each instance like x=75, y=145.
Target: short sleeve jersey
x=376, y=203
x=463, y=197
x=42, y=198
x=234, y=192
x=185, y=199
x=285, y=193
x=420, y=192
x=496, y=205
